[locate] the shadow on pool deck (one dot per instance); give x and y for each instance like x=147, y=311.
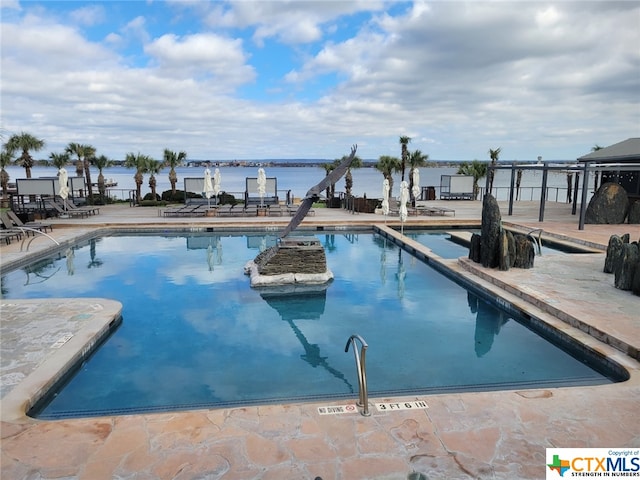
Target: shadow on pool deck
x=473, y=435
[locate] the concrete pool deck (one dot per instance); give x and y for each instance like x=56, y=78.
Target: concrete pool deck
x=472, y=435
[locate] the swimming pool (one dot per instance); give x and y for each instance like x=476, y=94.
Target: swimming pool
x=195, y=335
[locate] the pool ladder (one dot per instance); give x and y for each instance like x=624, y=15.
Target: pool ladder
x=363, y=399
x=536, y=241
x=35, y=232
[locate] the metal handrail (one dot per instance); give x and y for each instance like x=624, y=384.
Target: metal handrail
x=538, y=242
x=34, y=230
x=363, y=398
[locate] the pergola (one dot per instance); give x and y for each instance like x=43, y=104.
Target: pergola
x=610, y=162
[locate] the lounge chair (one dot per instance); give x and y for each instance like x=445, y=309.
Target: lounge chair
x=52, y=205
x=226, y=210
x=275, y=210
x=292, y=209
x=8, y=235
x=10, y=220
x=250, y=211
x=72, y=206
x=432, y=210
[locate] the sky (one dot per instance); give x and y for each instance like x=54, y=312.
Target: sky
x=254, y=79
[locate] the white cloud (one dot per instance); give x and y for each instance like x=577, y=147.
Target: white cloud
x=10, y=5
x=535, y=78
x=89, y=15
x=208, y=53
x=136, y=30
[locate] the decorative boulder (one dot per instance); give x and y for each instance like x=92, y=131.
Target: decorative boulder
x=626, y=265
x=635, y=284
x=507, y=251
x=609, y=205
x=525, y=253
x=490, y=232
x=614, y=251
x=504, y=261
x=634, y=212
x=474, y=248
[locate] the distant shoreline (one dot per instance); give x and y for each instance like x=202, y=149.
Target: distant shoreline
x=308, y=163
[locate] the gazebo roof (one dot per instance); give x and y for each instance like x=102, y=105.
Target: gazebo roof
x=626, y=151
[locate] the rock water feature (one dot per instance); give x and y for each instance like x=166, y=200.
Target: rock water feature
x=294, y=261
x=496, y=247
x=623, y=260
x=297, y=261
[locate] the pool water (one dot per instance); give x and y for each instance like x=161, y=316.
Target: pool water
x=195, y=334
x=440, y=243
x=446, y=246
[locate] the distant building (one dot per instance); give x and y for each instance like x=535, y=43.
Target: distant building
x=620, y=164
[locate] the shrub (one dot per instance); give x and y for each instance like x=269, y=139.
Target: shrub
x=149, y=196
x=153, y=203
x=225, y=198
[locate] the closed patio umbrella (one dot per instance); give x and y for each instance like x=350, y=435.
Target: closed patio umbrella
x=404, y=198
x=63, y=179
x=385, y=197
x=262, y=184
x=415, y=176
x=208, y=186
x=217, y=179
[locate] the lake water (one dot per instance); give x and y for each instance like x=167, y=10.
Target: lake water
x=366, y=181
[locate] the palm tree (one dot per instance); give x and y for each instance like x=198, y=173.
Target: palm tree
x=139, y=162
x=85, y=154
x=6, y=158
x=173, y=159
x=154, y=167
x=387, y=165
x=328, y=168
x=404, y=141
x=494, y=155
x=59, y=160
x=348, y=178
x=101, y=163
x=477, y=170
x=417, y=159
x=25, y=142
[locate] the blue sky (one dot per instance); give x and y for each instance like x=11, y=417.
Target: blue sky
x=306, y=79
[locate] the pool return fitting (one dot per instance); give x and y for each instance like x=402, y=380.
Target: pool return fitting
x=363, y=399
